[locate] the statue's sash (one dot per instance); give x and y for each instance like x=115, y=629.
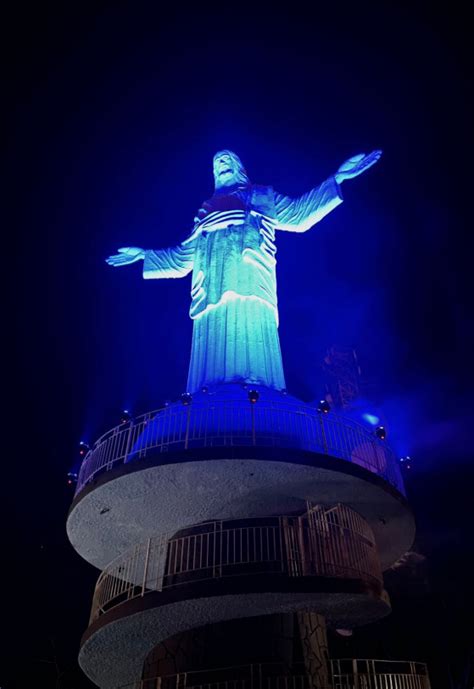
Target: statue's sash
x=262, y=200
x=237, y=261
x=258, y=198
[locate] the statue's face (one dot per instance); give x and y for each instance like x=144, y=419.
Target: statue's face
x=228, y=169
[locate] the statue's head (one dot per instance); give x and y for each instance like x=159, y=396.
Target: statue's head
x=228, y=170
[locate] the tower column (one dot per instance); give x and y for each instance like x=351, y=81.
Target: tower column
x=314, y=645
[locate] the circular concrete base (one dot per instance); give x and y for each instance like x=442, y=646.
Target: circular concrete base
x=115, y=647
x=165, y=493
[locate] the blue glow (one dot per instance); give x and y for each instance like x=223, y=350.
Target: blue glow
x=371, y=418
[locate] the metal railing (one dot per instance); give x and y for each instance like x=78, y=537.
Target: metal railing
x=335, y=542
x=254, y=676
x=379, y=674
x=236, y=423
x=362, y=674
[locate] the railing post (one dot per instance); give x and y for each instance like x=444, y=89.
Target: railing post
x=282, y=543
x=162, y=551
x=355, y=673
x=188, y=421
x=181, y=680
x=305, y=567
x=323, y=434
x=145, y=570
x=127, y=447
x=217, y=552
x=376, y=461
x=252, y=411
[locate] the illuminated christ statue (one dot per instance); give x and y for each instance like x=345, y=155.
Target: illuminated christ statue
x=231, y=253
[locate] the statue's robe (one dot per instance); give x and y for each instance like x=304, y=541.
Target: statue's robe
x=233, y=295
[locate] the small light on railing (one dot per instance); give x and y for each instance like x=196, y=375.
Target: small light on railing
x=253, y=396
x=186, y=399
x=324, y=407
x=406, y=462
x=125, y=416
x=167, y=403
x=71, y=478
x=83, y=448
x=204, y=389
x=381, y=432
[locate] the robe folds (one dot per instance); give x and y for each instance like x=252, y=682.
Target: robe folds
x=231, y=254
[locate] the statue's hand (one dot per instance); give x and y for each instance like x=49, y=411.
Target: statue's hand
x=356, y=165
x=125, y=256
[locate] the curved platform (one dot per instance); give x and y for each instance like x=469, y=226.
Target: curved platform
x=334, y=543
x=232, y=415
x=115, y=646
x=166, y=493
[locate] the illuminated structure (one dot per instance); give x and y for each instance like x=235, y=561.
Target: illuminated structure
x=343, y=374
x=231, y=253
x=234, y=525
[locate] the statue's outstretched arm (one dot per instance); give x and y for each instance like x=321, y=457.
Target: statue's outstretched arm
x=175, y=262
x=300, y=214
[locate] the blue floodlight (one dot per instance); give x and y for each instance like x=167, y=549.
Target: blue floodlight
x=253, y=396
x=406, y=462
x=324, y=407
x=83, y=448
x=71, y=478
x=125, y=416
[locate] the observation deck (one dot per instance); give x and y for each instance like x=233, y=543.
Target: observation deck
x=223, y=457
x=325, y=561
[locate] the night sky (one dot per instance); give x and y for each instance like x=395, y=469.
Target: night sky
x=114, y=114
